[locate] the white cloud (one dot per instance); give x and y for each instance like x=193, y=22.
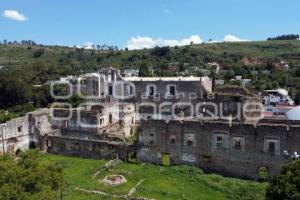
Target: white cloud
x=140, y=42
x=88, y=45
x=232, y=38
x=14, y=15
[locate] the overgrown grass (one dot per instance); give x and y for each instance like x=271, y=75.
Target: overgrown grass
x=176, y=182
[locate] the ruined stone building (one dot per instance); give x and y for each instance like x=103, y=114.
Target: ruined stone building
x=23, y=132
x=178, y=120
x=237, y=149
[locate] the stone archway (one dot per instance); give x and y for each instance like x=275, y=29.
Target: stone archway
x=32, y=145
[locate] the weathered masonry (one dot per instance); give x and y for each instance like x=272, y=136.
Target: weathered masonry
x=96, y=121
x=83, y=147
x=238, y=150
x=23, y=132
x=159, y=89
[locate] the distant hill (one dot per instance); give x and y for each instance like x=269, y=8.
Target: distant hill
x=262, y=62
x=71, y=60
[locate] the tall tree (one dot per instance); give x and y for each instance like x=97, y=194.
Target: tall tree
x=29, y=179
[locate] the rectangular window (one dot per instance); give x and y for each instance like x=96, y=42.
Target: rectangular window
x=272, y=145
x=130, y=90
x=219, y=142
x=271, y=148
x=20, y=129
x=237, y=143
x=172, y=90
x=101, y=121
x=151, y=90
x=110, y=90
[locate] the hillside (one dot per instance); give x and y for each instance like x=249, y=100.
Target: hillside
x=24, y=66
x=63, y=60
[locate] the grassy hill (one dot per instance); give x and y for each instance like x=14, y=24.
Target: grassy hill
x=52, y=61
x=163, y=183
x=86, y=60
x=24, y=66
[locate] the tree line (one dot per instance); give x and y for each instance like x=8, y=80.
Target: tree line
x=285, y=37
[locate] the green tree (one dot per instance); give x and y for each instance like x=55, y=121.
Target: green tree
x=144, y=70
x=270, y=66
x=28, y=179
x=14, y=91
x=286, y=185
x=42, y=96
x=160, y=51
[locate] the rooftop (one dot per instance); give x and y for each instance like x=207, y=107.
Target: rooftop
x=191, y=78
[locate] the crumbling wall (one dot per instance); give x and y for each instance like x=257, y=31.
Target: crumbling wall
x=127, y=119
x=236, y=150
x=20, y=133
x=14, y=135
x=87, y=148
x=98, y=121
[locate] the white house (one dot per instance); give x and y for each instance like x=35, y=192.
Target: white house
x=279, y=96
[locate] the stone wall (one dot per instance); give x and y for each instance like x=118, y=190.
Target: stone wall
x=87, y=148
x=238, y=150
x=20, y=133
x=184, y=91
x=110, y=119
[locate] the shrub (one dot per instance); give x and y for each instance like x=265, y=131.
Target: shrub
x=286, y=185
x=38, y=53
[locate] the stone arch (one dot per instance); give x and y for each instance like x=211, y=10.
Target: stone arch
x=18, y=151
x=32, y=145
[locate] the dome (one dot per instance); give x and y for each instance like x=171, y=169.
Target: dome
x=294, y=113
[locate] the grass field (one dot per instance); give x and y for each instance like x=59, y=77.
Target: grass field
x=177, y=182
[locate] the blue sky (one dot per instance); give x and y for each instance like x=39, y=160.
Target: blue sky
x=69, y=22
